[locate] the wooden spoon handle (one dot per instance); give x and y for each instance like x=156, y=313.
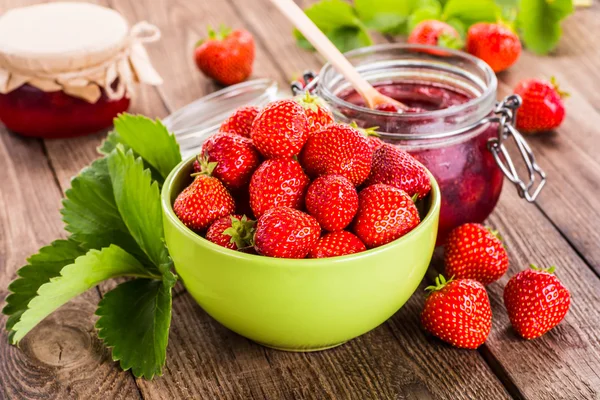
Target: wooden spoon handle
x=327, y=49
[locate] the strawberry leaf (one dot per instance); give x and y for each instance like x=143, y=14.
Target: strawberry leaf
x=338, y=20
x=84, y=273
x=134, y=321
x=423, y=14
x=40, y=268
x=539, y=23
x=470, y=12
x=138, y=200
x=385, y=16
x=151, y=140
x=91, y=215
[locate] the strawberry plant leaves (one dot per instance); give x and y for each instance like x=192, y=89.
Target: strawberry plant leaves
x=470, y=12
x=150, y=139
x=539, y=23
x=138, y=200
x=423, y=14
x=338, y=20
x=40, y=268
x=385, y=16
x=91, y=214
x=84, y=273
x=134, y=321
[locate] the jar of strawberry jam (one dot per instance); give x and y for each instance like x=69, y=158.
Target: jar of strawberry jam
x=68, y=69
x=454, y=125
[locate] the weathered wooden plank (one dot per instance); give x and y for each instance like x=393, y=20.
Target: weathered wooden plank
x=62, y=357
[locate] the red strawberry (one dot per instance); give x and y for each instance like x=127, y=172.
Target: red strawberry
x=397, y=168
x=536, y=301
x=333, y=201
x=458, y=312
x=233, y=231
x=277, y=182
x=319, y=115
x=226, y=56
x=240, y=122
x=495, y=44
x=542, y=108
x=236, y=159
x=371, y=134
x=435, y=33
x=336, y=244
x=473, y=251
x=281, y=129
x=385, y=213
x=204, y=201
x=338, y=149
x=284, y=232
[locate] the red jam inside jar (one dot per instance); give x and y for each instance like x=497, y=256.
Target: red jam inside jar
x=30, y=111
x=446, y=128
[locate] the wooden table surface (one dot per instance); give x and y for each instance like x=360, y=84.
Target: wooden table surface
x=63, y=358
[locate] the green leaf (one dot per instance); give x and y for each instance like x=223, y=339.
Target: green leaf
x=539, y=23
x=91, y=214
x=423, y=14
x=86, y=272
x=338, y=20
x=151, y=140
x=134, y=321
x=40, y=268
x=459, y=26
x=471, y=12
x=138, y=200
x=110, y=143
x=385, y=16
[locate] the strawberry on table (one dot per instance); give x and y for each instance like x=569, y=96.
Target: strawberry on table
x=236, y=159
x=338, y=149
x=284, y=232
x=536, y=301
x=319, y=115
x=204, y=201
x=233, y=231
x=458, y=312
x=277, y=182
x=495, y=44
x=226, y=56
x=333, y=201
x=435, y=33
x=542, y=108
x=240, y=122
x=335, y=244
x=397, y=168
x=384, y=214
x=280, y=129
x=475, y=252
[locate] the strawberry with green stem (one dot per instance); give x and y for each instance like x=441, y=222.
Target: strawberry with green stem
x=226, y=56
x=317, y=112
x=458, y=312
x=536, y=301
x=234, y=232
x=204, y=201
x=435, y=33
x=542, y=107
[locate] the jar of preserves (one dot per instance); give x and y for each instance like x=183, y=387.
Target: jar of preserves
x=68, y=69
x=454, y=125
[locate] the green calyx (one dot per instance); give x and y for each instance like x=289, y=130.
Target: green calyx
x=308, y=101
x=241, y=232
x=218, y=35
x=495, y=233
x=548, y=270
x=561, y=94
x=372, y=131
x=440, y=283
x=206, y=168
x=450, y=41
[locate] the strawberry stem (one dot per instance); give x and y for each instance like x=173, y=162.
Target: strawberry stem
x=554, y=83
x=440, y=283
x=206, y=167
x=241, y=232
x=372, y=131
x=548, y=270
x=495, y=233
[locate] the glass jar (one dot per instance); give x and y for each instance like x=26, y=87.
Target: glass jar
x=68, y=69
x=456, y=128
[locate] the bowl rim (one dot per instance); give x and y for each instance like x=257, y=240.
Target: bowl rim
x=169, y=213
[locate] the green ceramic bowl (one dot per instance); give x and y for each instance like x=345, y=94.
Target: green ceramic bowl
x=298, y=305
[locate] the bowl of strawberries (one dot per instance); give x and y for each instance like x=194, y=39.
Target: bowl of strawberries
x=298, y=232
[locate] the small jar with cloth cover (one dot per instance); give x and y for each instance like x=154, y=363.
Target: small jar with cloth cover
x=67, y=69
